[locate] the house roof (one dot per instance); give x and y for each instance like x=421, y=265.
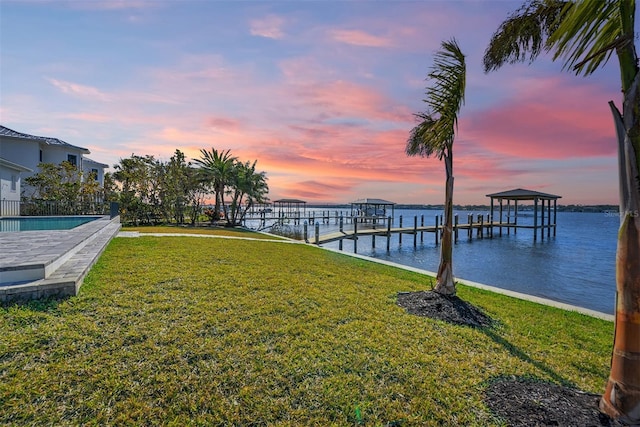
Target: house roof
x=88, y=160
x=5, y=131
x=522, y=194
x=372, y=202
x=10, y=165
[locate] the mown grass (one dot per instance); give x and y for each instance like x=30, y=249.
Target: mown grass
x=214, y=231
x=183, y=331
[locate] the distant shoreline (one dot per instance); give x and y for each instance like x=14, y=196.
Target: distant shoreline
x=561, y=208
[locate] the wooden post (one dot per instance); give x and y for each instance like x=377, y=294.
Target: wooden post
x=548, y=218
x=455, y=228
x=515, y=221
x=491, y=216
x=415, y=231
x=373, y=241
x=500, y=217
x=400, y=233
x=481, y=228
x=471, y=227
x=388, y=234
x=509, y=217
x=542, y=220
x=555, y=223
x=355, y=237
x=422, y=227
x=306, y=232
x=317, y=233
x=437, y=230
x=535, y=219
x=341, y=224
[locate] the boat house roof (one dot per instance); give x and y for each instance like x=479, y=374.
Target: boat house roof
x=522, y=194
x=283, y=201
x=372, y=202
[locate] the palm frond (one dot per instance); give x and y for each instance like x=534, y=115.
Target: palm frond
x=590, y=31
x=522, y=37
x=444, y=97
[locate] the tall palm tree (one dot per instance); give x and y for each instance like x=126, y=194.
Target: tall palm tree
x=435, y=134
x=217, y=168
x=585, y=34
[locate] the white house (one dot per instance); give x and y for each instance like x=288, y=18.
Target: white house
x=31, y=150
x=10, y=182
x=96, y=168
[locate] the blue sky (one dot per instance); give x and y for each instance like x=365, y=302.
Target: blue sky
x=320, y=93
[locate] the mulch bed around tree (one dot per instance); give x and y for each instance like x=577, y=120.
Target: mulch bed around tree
x=524, y=403
x=443, y=307
x=519, y=402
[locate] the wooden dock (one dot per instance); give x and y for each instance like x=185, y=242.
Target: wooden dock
x=482, y=227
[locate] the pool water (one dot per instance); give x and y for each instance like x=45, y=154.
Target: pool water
x=43, y=223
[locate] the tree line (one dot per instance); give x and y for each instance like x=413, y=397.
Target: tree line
x=152, y=191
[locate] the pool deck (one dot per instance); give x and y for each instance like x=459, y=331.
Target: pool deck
x=39, y=264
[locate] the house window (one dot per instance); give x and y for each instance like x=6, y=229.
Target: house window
x=73, y=159
x=14, y=183
x=94, y=173
x=40, y=156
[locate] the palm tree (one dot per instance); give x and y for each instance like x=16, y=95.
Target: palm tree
x=217, y=168
x=585, y=34
x=435, y=134
x=249, y=187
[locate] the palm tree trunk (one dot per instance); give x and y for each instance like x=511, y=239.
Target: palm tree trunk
x=621, y=399
x=444, y=280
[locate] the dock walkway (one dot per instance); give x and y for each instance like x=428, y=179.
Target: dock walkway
x=481, y=228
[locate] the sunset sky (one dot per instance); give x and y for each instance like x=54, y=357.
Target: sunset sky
x=320, y=93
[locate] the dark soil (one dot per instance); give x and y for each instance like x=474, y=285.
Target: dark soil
x=518, y=402
x=526, y=403
x=448, y=308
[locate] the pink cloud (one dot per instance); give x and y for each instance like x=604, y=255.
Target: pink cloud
x=88, y=117
x=546, y=119
x=223, y=124
x=79, y=90
x=270, y=27
x=359, y=38
x=344, y=99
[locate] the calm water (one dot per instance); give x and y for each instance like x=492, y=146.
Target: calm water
x=576, y=267
x=43, y=223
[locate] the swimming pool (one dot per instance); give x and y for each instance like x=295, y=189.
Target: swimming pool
x=43, y=223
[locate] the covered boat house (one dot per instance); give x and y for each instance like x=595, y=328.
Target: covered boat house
x=373, y=210
x=290, y=208
x=519, y=195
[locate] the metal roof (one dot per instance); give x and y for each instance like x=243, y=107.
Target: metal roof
x=372, y=202
x=522, y=194
x=88, y=160
x=289, y=201
x=5, y=131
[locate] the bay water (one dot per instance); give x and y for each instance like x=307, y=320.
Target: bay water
x=576, y=267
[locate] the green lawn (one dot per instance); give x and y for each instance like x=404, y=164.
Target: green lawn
x=183, y=331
